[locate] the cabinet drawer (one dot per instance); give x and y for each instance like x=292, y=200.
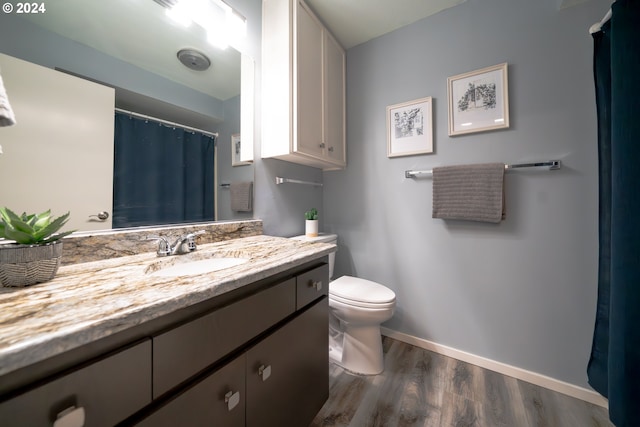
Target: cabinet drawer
x=312, y=285
x=186, y=350
x=108, y=391
x=217, y=400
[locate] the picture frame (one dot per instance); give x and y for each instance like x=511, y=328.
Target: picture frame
x=236, y=150
x=479, y=100
x=410, y=128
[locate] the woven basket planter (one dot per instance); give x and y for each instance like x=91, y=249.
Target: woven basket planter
x=24, y=265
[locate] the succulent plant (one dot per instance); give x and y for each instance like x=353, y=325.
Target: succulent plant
x=33, y=229
x=311, y=214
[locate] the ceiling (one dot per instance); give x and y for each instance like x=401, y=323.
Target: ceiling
x=354, y=22
x=140, y=33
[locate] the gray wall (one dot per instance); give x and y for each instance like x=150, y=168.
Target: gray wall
x=522, y=292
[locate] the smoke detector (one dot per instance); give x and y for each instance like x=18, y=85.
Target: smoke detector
x=194, y=59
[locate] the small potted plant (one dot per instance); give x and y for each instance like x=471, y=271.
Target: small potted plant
x=311, y=223
x=35, y=255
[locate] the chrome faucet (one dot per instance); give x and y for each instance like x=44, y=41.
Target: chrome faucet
x=183, y=244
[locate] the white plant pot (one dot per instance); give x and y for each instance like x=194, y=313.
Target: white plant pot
x=311, y=228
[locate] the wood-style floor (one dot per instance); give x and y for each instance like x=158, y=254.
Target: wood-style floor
x=422, y=388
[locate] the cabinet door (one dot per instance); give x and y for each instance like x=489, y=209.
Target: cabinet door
x=334, y=100
x=288, y=372
x=104, y=392
x=308, y=89
x=218, y=400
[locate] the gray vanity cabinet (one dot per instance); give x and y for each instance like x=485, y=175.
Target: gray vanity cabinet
x=257, y=357
x=280, y=371
x=281, y=381
x=105, y=392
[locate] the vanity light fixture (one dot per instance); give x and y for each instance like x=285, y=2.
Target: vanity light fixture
x=220, y=21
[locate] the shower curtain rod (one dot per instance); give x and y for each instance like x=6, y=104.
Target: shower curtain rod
x=167, y=123
x=551, y=164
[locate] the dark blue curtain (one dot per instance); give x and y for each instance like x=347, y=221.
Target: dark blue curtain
x=614, y=366
x=162, y=175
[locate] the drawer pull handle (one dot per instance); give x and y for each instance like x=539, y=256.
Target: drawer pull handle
x=264, y=372
x=322, y=145
x=70, y=417
x=232, y=399
x=331, y=149
x=317, y=285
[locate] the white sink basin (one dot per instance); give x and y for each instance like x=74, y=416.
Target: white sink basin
x=201, y=266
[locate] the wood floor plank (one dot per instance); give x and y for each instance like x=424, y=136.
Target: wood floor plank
x=419, y=388
x=502, y=402
x=423, y=392
x=465, y=380
x=458, y=411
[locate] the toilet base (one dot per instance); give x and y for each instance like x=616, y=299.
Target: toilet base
x=358, y=349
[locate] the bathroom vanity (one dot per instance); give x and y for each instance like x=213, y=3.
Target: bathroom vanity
x=115, y=343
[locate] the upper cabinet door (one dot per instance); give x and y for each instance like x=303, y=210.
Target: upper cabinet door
x=308, y=89
x=334, y=101
x=303, y=81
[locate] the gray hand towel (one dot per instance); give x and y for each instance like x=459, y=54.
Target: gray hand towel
x=241, y=196
x=469, y=192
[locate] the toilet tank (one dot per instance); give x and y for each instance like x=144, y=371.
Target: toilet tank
x=324, y=238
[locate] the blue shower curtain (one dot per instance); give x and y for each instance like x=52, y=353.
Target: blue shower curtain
x=614, y=366
x=162, y=175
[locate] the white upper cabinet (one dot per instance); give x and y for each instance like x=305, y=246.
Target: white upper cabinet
x=303, y=80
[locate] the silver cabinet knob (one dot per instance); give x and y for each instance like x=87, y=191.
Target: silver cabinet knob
x=317, y=285
x=331, y=149
x=232, y=399
x=322, y=145
x=70, y=417
x=264, y=372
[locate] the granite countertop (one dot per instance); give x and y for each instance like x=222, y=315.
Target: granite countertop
x=89, y=301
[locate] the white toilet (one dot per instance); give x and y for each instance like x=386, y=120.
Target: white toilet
x=357, y=307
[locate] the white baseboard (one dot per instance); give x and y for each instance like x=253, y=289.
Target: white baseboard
x=502, y=368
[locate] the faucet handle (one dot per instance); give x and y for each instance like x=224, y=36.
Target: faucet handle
x=164, y=247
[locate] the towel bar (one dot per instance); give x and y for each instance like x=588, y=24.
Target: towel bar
x=280, y=180
x=551, y=164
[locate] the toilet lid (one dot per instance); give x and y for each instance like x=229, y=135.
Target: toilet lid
x=361, y=290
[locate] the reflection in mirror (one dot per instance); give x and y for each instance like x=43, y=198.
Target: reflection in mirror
x=131, y=47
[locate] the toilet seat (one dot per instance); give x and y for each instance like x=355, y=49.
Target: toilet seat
x=361, y=292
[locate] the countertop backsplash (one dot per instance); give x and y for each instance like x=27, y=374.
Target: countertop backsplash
x=100, y=245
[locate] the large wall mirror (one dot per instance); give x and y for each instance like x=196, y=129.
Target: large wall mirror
x=132, y=48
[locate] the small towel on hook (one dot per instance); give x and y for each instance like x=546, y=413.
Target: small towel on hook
x=241, y=196
x=7, y=118
x=469, y=192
